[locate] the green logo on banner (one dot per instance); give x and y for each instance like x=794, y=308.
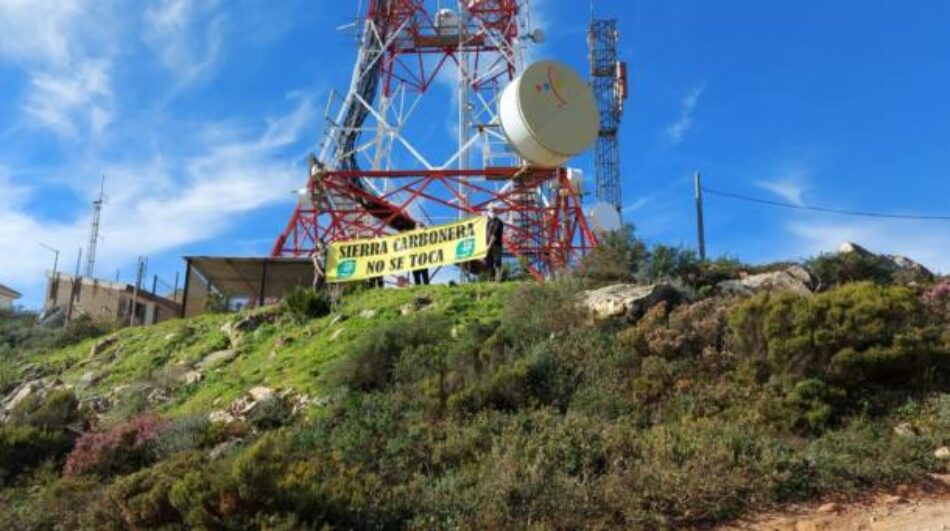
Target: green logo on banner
x=346, y=269
x=465, y=248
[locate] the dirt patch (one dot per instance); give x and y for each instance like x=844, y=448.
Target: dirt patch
x=922, y=507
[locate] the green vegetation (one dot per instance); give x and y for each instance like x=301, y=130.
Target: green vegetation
x=491, y=406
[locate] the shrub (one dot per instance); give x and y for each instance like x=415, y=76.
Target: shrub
x=55, y=411
x=372, y=362
x=809, y=408
x=842, y=268
x=538, y=310
x=121, y=449
x=856, y=334
x=270, y=413
x=304, y=304
x=188, y=432
x=616, y=258
x=23, y=447
x=938, y=302
x=36, y=432
x=142, y=500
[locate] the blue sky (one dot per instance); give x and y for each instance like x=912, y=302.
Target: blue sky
x=200, y=114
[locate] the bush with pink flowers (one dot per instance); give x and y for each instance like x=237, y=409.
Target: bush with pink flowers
x=120, y=449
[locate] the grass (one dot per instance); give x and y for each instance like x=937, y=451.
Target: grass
x=283, y=355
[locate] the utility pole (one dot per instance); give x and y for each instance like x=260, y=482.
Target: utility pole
x=700, y=226
x=72, y=290
x=52, y=276
x=55, y=258
x=140, y=271
x=94, y=229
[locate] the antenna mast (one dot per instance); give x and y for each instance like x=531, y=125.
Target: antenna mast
x=94, y=230
x=609, y=80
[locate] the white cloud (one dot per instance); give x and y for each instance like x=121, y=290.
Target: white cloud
x=186, y=37
x=66, y=49
x=676, y=131
x=38, y=30
x=157, y=205
x=71, y=100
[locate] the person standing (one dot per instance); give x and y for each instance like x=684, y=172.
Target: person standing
x=319, y=258
x=420, y=277
x=496, y=232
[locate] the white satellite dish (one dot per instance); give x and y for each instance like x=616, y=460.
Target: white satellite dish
x=549, y=114
x=605, y=218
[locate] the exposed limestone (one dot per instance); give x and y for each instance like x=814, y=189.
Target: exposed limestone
x=628, y=300
x=795, y=279
x=915, y=270
x=102, y=345
x=215, y=359
x=192, y=377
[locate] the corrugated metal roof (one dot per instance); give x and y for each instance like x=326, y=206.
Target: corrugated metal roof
x=9, y=292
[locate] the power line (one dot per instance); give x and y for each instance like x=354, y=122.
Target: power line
x=842, y=212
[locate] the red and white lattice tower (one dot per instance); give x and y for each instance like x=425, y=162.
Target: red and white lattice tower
x=377, y=171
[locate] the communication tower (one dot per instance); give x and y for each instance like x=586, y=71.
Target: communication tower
x=381, y=167
x=609, y=79
x=94, y=230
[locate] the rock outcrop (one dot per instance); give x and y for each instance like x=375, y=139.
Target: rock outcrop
x=628, y=300
x=914, y=270
x=795, y=279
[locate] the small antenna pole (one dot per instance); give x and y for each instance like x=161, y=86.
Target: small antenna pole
x=73, y=289
x=94, y=230
x=700, y=226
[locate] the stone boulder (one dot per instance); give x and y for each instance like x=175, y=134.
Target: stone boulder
x=912, y=269
x=191, y=377
x=88, y=380
x=795, y=279
x=102, y=345
x=246, y=324
x=417, y=304
x=21, y=393
x=628, y=300
x=217, y=358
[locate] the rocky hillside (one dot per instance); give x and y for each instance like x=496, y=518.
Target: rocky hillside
x=650, y=391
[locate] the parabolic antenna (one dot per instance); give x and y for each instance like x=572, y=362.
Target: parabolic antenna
x=548, y=114
x=605, y=218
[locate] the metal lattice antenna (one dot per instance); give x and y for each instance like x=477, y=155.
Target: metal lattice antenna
x=609, y=80
x=94, y=230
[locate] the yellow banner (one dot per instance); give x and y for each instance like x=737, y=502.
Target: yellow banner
x=407, y=251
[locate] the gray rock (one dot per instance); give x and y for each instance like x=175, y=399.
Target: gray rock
x=192, y=377
x=792, y=280
x=21, y=393
x=905, y=429
x=260, y=393
x=942, y=453
x=417, y=304
x=851, y=247
x=88, y=380
x=368, y=314
x=916, y=270
x=96, y=404
x=158, y=396
x=628, y=300
x=222, y=448
x=102, y=345
x=221, y=417
x=220, y=357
